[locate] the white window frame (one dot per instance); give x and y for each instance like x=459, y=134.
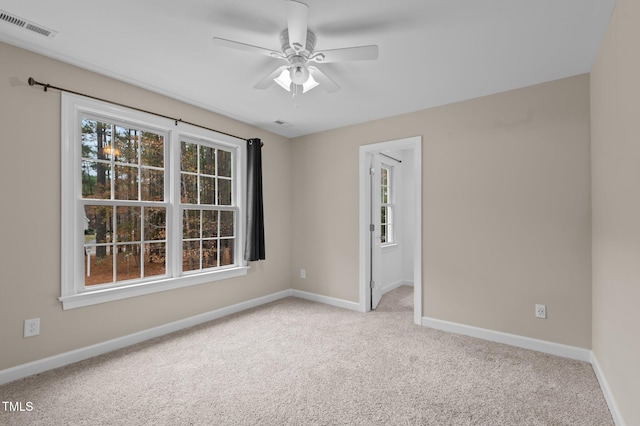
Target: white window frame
x=390, y=204
x=73, y=292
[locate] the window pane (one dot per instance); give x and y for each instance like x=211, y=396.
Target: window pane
x=128, y=224
x=98, y=224
x=126, y=180
x=128, y=262
x=383, y=234
x=89, y=139
x=191, y=224
x=189, y=189
x=96, y=180
x=383, y=214
x=209, y=223
x=226, y=224
x=126, y=145
x=226, y=252
x=155, y=223
x=99, y=269
x=189, y=157
x=384, y=176
x=207, y=190
x=152, y=150
x=209, y=254
x=155, y=256
x=190, y=255
x=207, y=160
x=224, y=192
x=385, y=197
x=96, y=136
x=152, y=185
x=224, y=163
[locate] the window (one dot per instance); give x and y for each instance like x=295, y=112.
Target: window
x=387, y=205
x=147, y=205
x=208, y=226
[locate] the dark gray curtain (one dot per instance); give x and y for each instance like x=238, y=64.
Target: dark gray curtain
x=254, y=247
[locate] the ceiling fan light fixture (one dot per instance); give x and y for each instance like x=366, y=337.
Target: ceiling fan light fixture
x=299, y=74
x=284, y=80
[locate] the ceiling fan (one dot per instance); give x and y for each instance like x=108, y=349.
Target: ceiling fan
x=300, y=74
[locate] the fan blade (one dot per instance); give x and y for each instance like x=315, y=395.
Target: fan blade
x=268, y=80
x=247, y=48
x=362, y=53
x=297, y=21
x=329, y=85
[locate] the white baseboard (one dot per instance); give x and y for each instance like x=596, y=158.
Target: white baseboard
x=341, y=303
x=606, y=390
x=39, y=366
x=393, y=286
x=552, y=348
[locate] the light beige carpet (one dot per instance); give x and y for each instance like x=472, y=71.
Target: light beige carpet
x=295, y=362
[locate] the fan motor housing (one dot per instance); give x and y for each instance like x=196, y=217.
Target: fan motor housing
x=288, y=50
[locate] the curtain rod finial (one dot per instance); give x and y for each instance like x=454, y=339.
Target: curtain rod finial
x=31, y=81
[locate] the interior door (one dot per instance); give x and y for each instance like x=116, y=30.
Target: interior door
x=375, y=229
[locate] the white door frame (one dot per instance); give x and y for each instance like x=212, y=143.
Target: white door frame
x=414, y=144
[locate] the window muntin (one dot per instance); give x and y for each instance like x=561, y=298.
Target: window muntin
x=386, y=205
x=122, y=207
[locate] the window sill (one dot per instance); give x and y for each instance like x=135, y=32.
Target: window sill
x=390, y=245
x=117, y=293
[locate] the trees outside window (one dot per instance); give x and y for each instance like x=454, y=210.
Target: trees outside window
x=146, y=205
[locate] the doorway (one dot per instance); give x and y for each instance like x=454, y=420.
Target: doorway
x=390, y=220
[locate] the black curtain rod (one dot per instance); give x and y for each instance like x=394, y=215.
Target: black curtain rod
x=46, y=86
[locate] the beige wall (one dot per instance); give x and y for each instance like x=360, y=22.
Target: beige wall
x=615, y=96
x=30, y=217
x=506, y=210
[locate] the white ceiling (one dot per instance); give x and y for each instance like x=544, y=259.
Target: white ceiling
x=432, y=52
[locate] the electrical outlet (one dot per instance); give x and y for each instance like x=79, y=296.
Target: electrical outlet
x=303, y=273
x=541, y=311
x=31, y=327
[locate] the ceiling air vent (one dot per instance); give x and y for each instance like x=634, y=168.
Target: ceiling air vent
x=27, y=25
x=282, y=123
